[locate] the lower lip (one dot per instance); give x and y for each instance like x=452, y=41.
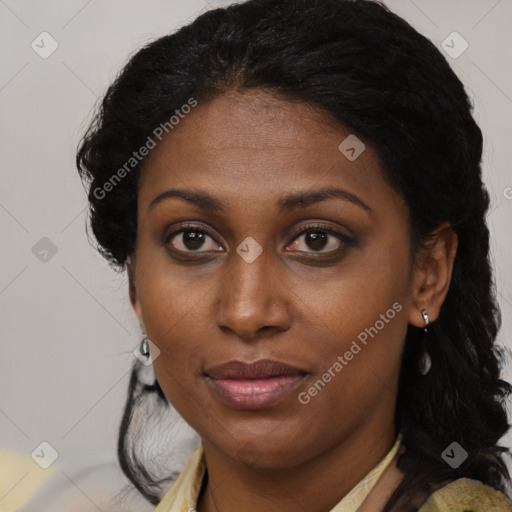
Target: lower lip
x=254, y=393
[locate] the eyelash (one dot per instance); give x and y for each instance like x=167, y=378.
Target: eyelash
x=346, y=240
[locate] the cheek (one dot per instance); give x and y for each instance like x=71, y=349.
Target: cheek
x=362, y=340
x=175, y=319
x=354, y=296
x=358, y=361
x=172, y=298
x=360, y=315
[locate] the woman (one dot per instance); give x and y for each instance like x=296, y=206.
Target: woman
x=294, y=189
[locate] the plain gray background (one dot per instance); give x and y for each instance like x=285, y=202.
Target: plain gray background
x=67, y=328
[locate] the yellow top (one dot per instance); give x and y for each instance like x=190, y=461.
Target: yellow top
x=20, y=478
x=465, y=495
x=462, y=495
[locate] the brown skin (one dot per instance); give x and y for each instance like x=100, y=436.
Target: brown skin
x=247, y=150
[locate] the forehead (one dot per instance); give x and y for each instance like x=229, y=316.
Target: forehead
x=258, y=145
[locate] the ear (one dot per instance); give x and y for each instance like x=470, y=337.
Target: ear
x=132, y=290
x=432, y=274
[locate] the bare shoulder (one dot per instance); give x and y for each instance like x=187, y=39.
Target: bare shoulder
x=466, y=495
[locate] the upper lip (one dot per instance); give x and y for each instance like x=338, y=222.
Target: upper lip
x=261, y=369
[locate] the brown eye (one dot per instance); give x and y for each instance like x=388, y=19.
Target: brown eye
x=192, y=239
x=320, y=239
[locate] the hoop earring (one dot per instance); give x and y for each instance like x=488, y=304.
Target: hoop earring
x=425, y=362
x=144, y=348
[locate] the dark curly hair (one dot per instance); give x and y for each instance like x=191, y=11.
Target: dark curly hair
x=376, y=75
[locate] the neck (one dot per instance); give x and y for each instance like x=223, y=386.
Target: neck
x=316, y=484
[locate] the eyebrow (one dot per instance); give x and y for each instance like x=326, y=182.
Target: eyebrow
x=285, y=204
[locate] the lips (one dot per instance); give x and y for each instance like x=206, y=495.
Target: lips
x=251, y=386
x=261, y=369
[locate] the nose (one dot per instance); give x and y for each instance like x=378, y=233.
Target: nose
x=252, y=299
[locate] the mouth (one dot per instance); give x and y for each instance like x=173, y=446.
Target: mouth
x=252, y=386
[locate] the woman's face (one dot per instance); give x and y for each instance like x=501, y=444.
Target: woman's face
x=335, y=305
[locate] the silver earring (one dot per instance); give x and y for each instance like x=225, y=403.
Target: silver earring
x=425, y=361
x=425, y=318
x=144, y=348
